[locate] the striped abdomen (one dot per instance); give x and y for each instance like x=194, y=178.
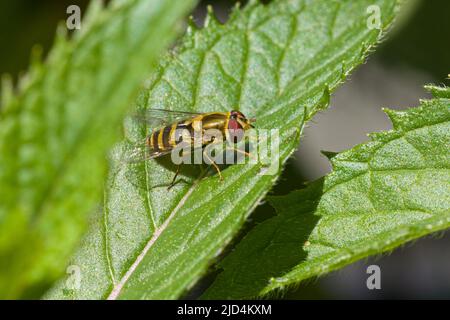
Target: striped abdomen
x=166, y=138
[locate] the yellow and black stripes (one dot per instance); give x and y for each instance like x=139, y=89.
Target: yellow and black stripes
x=166, y=138
x=161, y=139
x=154, y=141
x=225, y=127
x=172, y=138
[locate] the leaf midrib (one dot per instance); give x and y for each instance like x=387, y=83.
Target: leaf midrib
x=117, y=288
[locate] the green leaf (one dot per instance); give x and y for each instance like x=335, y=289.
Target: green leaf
x=277, y=62
x=380, y=195
x=55, y=133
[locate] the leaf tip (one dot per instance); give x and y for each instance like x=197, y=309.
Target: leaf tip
x=395, y=117
x=364, y=51
x=191, y=26
x=93, y=10
x=210, y=19
x=329, y=154
x=437, y=91
x=324, y=100
x=61, y=34
x=276, y=282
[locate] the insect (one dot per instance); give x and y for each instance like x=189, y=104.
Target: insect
x=176, y=127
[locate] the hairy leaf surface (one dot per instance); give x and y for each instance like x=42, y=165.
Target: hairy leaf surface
x=380, y=195
x=276, y=62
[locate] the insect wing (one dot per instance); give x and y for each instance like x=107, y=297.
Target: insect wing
x=155, y=118
x=140, y=152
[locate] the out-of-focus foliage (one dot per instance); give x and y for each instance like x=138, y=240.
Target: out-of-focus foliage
x=54, y=134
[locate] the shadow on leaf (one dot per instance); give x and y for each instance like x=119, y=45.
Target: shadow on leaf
x=270, y=250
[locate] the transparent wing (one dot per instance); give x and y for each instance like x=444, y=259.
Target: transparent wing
x=161, y=117
x=135, y=153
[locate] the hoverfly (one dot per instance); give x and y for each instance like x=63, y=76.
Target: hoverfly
x=180, y=126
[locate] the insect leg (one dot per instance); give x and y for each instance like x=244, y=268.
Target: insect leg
x=174, y=178
x=214, y=164
x=248, y=154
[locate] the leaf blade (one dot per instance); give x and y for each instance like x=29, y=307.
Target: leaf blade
x=375, y=199
x=217, y=69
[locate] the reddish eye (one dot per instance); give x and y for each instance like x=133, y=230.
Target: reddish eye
x=234, y=125
x=235, y=131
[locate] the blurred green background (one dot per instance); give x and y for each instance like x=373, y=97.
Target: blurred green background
x=415, y=53
x=421, y=43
